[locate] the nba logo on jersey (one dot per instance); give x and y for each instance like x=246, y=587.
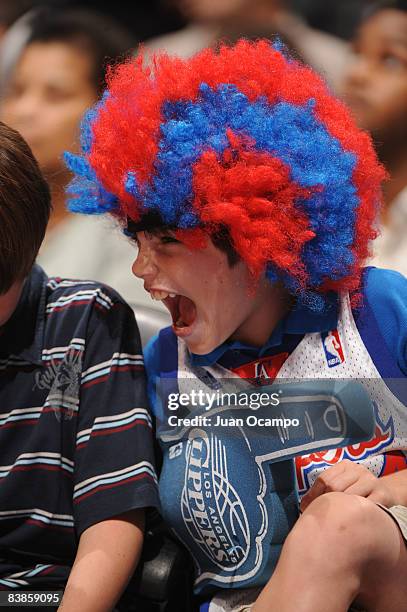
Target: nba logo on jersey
x=333, y=348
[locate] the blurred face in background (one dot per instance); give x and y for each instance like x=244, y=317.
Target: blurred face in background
x=46, y=96
x=213, y=10
x=376, y=85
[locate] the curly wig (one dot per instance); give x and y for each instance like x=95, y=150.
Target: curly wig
x=245, y=139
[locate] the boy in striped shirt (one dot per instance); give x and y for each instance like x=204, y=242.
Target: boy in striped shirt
x=76, y=456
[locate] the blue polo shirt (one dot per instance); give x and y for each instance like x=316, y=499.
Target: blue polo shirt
x=75, y=430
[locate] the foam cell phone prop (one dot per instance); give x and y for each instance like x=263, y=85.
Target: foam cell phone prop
x=228, y=482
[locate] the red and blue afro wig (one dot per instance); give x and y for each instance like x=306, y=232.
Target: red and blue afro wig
x=244, y=139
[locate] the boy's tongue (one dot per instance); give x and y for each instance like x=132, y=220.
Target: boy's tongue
x=186, y=312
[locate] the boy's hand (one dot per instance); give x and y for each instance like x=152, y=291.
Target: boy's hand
x=352, y=478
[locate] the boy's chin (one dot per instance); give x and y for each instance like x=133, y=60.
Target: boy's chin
x=201, y=348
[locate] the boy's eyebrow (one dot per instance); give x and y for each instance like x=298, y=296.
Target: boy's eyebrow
x=151, y=222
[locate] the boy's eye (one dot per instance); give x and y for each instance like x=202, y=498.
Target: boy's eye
x=168, y=240
x=393, y=61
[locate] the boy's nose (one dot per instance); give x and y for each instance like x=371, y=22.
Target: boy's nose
x=143, y=266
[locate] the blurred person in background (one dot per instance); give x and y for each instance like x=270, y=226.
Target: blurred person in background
x=56, y=75
x=213, y=20
x=338, y=18
x=376, y=89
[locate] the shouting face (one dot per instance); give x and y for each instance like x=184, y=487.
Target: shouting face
x=209, y=300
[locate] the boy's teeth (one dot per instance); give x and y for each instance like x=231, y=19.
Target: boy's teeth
x=159, y=295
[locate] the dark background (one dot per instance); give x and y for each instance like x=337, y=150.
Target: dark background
x=147, y=18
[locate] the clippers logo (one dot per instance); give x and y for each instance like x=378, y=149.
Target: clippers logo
x=332, y=348
x=212, y=510
x=262, y=371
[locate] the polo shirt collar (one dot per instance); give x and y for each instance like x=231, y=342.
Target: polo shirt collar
x=23, y=334
x=300, y=320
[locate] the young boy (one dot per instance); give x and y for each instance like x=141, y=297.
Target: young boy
x=251, y=196
x=75, y=433
x=376, y=89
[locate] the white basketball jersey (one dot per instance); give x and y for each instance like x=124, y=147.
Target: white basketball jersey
x=311, y=359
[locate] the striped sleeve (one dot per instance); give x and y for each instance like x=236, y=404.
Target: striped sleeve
x=152, y=365
x=114, y=460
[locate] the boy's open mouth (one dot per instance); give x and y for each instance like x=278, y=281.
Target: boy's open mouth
x=182, y=308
